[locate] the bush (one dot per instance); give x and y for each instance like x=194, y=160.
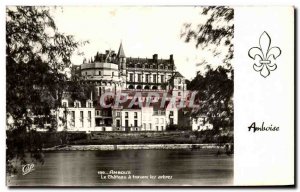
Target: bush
x=178, y=128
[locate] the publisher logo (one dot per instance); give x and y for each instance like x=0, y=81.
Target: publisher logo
x=27, y=168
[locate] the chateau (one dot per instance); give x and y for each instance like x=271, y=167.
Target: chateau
x=112, y=73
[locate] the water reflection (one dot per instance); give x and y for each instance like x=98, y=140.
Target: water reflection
x=79, y=168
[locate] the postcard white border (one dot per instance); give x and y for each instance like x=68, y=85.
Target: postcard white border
x=110, y=2
x=264, y=158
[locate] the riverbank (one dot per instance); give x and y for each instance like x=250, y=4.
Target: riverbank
x=54, y=139
x=133, y=147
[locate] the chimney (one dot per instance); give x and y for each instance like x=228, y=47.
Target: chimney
x=155, y=56
x=171, y=59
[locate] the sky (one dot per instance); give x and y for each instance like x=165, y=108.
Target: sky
x=143, y=32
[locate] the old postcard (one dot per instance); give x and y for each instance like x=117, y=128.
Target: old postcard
x=149, y=96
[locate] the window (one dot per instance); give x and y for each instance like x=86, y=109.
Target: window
x=150, y=126
x=179, y=81
x=131, y=77
x=81, y=118
x=126, y=114
x=179, y=93
x=89, y=104
x=118, y=114
x=156, y=120
x=162, y=78
x=135, y=114
x=126, y=123
x=118, y=122
x=65, y=104
x=161, y=121
x=99, y=72
x=162, y=128
x=135, y=123
x=97, y=113
x=171, y=113
x=156, y=128
x=76, y=104
x=144, y=126
x=139, y=78
x=73, y=118
x=171, y=121
x=147, y=78
x=179, y=87
x=90, y=118
x=154, y=78
x=112, y=74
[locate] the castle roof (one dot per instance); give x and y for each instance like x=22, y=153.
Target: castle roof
x=121, y=53
x=177, y=74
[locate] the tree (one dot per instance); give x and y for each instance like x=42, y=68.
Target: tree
x=215, y=86
x=37, y=56
x=215, y=34
x=215, y=97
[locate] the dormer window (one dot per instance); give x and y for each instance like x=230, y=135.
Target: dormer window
x=77, y=104
x=64, y=103
x=89, y=104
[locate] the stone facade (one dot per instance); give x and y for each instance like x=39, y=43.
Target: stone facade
x=114, y=72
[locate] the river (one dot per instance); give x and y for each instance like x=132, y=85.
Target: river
x=92, y=168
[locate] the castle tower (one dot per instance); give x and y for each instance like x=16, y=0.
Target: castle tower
x=122, y=62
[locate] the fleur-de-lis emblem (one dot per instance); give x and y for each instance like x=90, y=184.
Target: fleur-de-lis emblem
x=264, y=56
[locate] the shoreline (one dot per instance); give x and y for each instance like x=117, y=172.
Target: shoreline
x=133, y=147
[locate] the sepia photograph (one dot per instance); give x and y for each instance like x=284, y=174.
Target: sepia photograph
x=101, y=96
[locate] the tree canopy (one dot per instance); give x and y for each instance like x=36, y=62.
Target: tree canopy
x=37, y=55
x=215, y=86
x=215, y=33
